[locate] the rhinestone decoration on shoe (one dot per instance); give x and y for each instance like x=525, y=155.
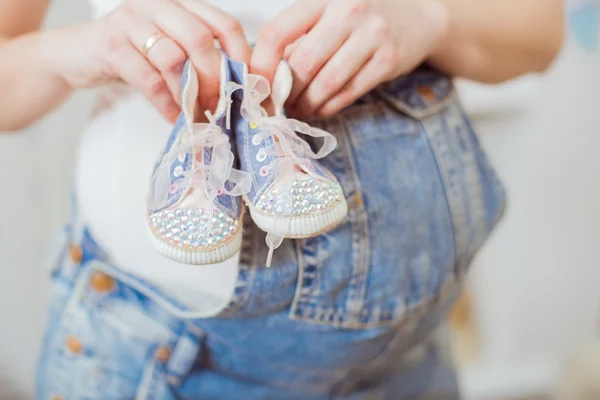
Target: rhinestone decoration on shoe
x=304, y=197
x=188, y=229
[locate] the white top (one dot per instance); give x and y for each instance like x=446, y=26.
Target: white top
x=116, y=155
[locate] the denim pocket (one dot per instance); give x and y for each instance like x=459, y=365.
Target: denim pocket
x=476, y=197
x=102, y=343
x=424, y=93
x=411, y=228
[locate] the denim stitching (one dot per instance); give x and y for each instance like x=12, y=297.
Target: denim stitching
x=444, y=161
x=246, y=269
x=482, y=227
x=73, y=306
x=474, y=191
x=308, y=253
x=303, y=309
x=498, y=187
x=360, y=231
x=305, y=276
x=146, y=389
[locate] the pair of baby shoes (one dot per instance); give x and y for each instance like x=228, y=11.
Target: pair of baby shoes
x=242, y=151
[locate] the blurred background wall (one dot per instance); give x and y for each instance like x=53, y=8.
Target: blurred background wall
x=535, y=285
x=35, y=179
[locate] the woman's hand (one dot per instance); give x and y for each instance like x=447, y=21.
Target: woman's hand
x=111, y=48
x=341, y=49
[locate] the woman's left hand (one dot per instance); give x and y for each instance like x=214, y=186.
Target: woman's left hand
x=339, y=50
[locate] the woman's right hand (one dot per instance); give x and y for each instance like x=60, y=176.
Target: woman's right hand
x=110, y=49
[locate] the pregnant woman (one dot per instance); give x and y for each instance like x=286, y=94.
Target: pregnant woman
x=350, y=314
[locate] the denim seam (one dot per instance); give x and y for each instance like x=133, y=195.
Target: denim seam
x=301, y=294
x=302, y=309
x=307, y=277
x=474, y=187
x=145, y=390
x=412, y=111
x=63, y=317
x=279, y=365
x=73, y=306
x=170, y=305
x=360, y=232
x=452, y=284
x=246, y=270
x=315, y=313
x=158, y=373
x=345, y=386
x=489, y=170
x=439, y=149
x=307, y=280
x=169, y=372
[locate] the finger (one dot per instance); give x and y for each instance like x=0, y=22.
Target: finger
x=283, y=30
x=198, y=42
x=138, y=72
x=319, y=45
x=373, y=73
x=289, y=49
x=227, y=29
x=166, y=55
x=351, y=57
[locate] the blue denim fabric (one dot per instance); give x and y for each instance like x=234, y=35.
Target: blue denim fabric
x=351, y=314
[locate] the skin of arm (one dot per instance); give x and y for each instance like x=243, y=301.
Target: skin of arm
x=28, y=87
x=38, y=70
x=493, y=41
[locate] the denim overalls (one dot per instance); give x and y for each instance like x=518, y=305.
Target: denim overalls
x=351, y=314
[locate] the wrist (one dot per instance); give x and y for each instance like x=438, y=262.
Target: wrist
x=65, y=53
x=456, y=52
x=439, y=22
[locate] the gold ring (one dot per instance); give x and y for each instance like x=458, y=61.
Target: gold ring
x=152, y=40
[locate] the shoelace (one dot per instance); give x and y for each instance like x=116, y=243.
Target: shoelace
x=217, y=174
x=288, y=149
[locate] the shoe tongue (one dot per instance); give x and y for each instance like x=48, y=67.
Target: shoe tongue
x=189, y=95
x=282, y=87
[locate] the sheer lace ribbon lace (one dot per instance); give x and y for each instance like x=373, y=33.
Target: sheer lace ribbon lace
x=218, y=176
x=287, y=149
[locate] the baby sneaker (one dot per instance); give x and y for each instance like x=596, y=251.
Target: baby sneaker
x=292, y=195
x=194, y=208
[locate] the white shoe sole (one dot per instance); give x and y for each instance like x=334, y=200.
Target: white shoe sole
x=197, y=257
x=301, y=226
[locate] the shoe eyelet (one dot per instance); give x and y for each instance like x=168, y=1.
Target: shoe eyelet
x=256, y=140
x=181, y=157
x=261, y=156
x=264, y=171
x=173, y=189
x=177, y=171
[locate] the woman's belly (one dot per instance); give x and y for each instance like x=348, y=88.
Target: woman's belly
x=117, y=153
